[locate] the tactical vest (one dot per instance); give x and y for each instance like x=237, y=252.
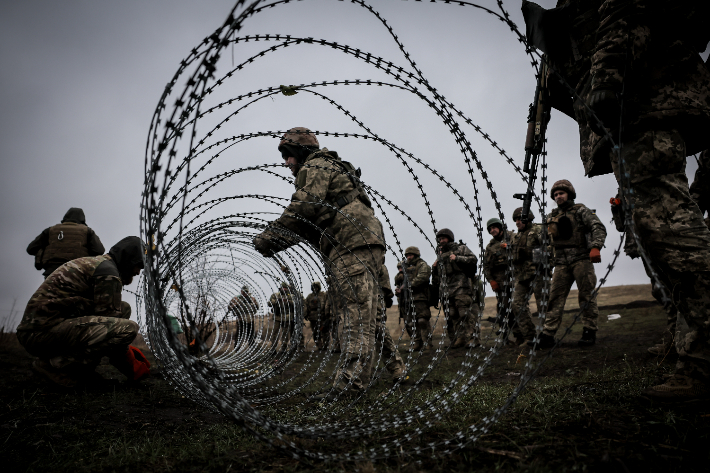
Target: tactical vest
x=567, y=232
x=67, y=241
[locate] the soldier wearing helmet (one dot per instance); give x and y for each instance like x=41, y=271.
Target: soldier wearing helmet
x=315, y=314
x=577, y=235
x=415, y=288
x=244, y=308
x=332, y=211
x=526, y=244
x=284, y=304
x=452, y=272
x=495, y=265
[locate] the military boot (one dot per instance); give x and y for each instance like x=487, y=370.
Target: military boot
x=679, y=388
x=542, y=341
x=589, y=338
x=460, y=342
x=417, y=345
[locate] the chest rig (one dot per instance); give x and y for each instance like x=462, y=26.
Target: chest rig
x=566, y=229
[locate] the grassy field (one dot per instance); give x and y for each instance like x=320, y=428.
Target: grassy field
x=583, y=412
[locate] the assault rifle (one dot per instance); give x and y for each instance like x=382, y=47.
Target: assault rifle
x=538, y=116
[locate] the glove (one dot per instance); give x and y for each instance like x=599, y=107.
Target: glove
x=615, y=201
x=388, y=302
x=495, y=286
x=263, y=246
x=504, y=246
x=605, y=104
x=595, y=256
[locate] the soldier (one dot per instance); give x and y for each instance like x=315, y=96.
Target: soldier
x=649, y=50
x=401, y=304
x=525, y=244
x=64, y=242
x=577, y=236
x=76, y=317
x=244, y=308
x=315, y=313
x=417, y=320
x=458, y=265
x=283, y=306
x=495, y=267
x=332, y=315
x=331, y=209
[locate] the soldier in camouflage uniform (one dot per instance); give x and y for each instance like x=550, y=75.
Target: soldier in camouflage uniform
x=577, y=235
x=401, y=304
x=332, y=315
x=64, y=242
x=315, y=314
x=495, y=266
x=458, y=264
x=416, y=287
x=76, y=317
x=331, y=210
x=650, y=50
x=524, y=244
x=244, y=308
x=283, y=305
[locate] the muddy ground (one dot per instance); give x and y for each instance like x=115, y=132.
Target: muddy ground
x=584, y=411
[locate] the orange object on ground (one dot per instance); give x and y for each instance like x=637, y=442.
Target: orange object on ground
x=138, y=362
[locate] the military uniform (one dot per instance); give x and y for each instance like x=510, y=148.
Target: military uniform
x=401, y=295
x=457, y=291
x=524, y=244
x=64, y=242
x=417, y=321
x=575, y=230
x=495, y=267
x=315, y=313
x=76, y=316
x=283, y=305
x=332, y=211
x=244, y=308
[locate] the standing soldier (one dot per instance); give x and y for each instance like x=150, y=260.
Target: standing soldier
x=64, y=242
x=398, y=281
x=331, y=209
x=495, y=267
x=418, y=273
x=577, y=236
x=525, y=244
x=315, y=313
x=283, y=305
x=458, y=264
x=244, y=308
x=647, y=53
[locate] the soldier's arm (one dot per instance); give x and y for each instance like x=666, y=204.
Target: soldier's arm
x=465, y=256
x=487, y=273
x=422, y=275
x=308, y=200
x=107, y=296
x=598, y=229
x=95, y=246
x=39, y=243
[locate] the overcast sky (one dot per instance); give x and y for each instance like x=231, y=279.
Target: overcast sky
x=80, y=81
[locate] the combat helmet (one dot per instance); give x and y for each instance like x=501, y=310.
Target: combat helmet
x=412, y=250
x=563, y=185
x=493, y=221
x=445, y=232
x=299, y=141
x=519, y=213
x=245, y=289
x=314, y=285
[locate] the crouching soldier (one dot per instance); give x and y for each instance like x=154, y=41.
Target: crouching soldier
x=76, y=317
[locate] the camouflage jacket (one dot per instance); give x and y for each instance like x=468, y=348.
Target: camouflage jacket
x=398, y=281
x=665, y=84
x=383, y=279
x=418, y=274
x=283, y=305
x=495, y=258
x=315, y=306
x=574, y=230
x=321, y=186
x=523, y=244
x=456, y=279
x=78, y=288
x=242, y=305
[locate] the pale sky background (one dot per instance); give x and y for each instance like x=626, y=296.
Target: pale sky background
x=80, y=81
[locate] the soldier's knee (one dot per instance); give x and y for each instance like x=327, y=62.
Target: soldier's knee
x=125, y=331
x=423, y=323
x=125, y=310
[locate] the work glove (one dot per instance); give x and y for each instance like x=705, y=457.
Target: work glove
x=605, y=104
x=263, y=246
x=504, y=245
x=388, y=302
x=615, y=201
x=495, y=286
x=595, y=256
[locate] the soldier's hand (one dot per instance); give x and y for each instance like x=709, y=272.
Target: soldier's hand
x=614, y=201
x=495, y=286
x=595, y=256
x=263, y=246
x=452, y=257
x=504, y=246
x=435, y=263
x=605, y=104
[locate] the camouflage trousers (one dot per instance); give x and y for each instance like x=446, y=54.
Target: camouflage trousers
x=581, y=272
x=321, y=329
x=522, y=324
x=356, y=274
x=461, y=319
x=384, y=346
x=417, y=321
x=82, y=341
x=671, y=230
